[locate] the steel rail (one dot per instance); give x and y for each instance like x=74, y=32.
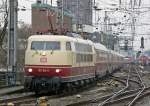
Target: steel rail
x=130, y=96
x=119, y=92
x=140, y=92
x=15, y=97
x=117, y=78
x=25, y=99
x=97, y=99
x=134, y=94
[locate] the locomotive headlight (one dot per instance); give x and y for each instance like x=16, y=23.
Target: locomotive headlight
x=57, y=70
x=30, y=70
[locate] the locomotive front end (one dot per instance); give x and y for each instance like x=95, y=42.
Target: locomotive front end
x=46, y=62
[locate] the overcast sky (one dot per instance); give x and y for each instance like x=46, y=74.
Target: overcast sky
x=143, y=18
x=25, y=16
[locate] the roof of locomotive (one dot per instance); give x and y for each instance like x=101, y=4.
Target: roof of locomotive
x=57, y=38
x=116, y=53
x=121, y=55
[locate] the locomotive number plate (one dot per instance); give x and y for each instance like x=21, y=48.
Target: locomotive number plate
x=43, y=60
x=43, y=70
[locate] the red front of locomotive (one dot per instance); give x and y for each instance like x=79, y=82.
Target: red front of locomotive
x=48, y=70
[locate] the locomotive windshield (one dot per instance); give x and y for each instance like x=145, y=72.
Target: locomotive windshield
x=45, y=45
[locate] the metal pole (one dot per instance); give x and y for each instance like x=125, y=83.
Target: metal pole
x=51, y=2
x=132, y=23
x=120, y=2
x=94, y=2
x=78, y=18
x=95, y=17
x=12, y=35
x=105, y=27
x=62, y=17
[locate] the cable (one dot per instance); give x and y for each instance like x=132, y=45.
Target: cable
x=110, y=4
x=30, y=1
x=140, y=2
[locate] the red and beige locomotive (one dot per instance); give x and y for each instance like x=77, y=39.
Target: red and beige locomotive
x=55, y=61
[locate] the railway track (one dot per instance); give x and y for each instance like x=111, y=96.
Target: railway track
x=134, y=96
x=127, y=94
x=119, y=92
x=15, y=97
x=24, y=98
x=137, y=83
x=8, y=90
x=28, y=98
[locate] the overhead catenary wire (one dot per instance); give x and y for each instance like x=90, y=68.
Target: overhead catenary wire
x=111, y=4
x=140, y=2
x=30, y=1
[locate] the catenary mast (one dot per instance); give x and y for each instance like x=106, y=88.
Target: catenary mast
x=12, y=36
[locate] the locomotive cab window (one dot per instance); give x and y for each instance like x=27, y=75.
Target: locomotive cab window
x=37, y=45
x=53, y=45
x=45, y=45
x=68, y=46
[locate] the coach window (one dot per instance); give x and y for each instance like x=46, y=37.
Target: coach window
x=68, y=46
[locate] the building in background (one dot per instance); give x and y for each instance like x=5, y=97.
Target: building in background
x=47, y=19
x=82, y=10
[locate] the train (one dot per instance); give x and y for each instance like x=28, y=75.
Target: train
x=144, y=58
x=147, y=54
x=54, y=62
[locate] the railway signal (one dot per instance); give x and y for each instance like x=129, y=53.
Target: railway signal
x=142, y=42
x=126, y=45
x=138, y=54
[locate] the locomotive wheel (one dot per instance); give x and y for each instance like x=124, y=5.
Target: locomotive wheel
x=67, y=88
x=85, y=82
x=91, y=80
x=73, y=88
x=36, y=92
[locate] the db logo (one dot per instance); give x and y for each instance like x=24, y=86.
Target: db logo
x=43, y=60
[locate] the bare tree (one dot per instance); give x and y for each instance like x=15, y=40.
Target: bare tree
x=3, y=31
x=3, y=20
x=24, y=31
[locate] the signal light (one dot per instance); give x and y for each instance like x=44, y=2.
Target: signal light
x=126, y=45
x=142, y=42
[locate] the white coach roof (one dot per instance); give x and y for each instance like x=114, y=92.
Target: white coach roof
x=100, y=47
